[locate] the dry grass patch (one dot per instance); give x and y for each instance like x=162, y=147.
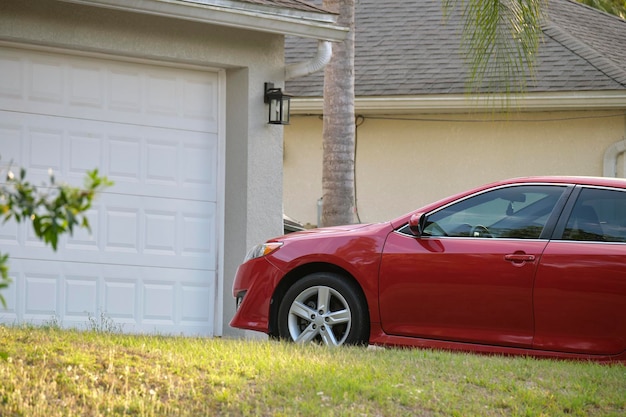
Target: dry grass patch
x=51, y=372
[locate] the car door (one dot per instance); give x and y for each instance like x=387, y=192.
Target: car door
x=580, y=290
x=469, y=276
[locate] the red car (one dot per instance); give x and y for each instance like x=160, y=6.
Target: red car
x=531, y=266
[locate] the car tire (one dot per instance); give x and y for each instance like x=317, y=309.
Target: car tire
x=324, y=308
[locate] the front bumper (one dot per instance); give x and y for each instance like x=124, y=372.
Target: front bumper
x=253, y=288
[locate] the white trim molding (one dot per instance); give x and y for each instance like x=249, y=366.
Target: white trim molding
x=461, y=103
x=224, y=13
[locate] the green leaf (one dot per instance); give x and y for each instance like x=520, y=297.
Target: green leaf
x=52, y=213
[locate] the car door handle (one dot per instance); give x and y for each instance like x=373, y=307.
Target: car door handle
x=519, y=257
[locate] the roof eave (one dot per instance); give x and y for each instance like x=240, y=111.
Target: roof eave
x=462, y=103
x=287, y=22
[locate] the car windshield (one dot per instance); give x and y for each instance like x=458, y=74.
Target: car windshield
x=513, y=212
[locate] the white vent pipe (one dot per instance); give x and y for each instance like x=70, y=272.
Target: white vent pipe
x=610, y=158
x=317, y=63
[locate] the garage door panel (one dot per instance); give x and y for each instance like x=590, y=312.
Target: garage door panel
x=121, y=298
x=197, y=156
x=12, y=70
x=9, y=236
x=11, y=146
x=81, y=239
x=45, y=80
x=41, y=291
x=195, y=306
x=9, y=314
x=84, y=151
x=140, y=160
x=45, y=149
x=181, y=168
x=126, y=166
x=19, y=239
x=160, y=232
x=158, y=302
x=150, y=261
x=162, y=162
x=163, y=298
x=100, y=89
x=197, y=228
x=45, y=144
x=41, y=302
x=185, y=167
x=163, y=98
x=169, y=236
x=80, y=296
x=194, y=100
x=122, y=229
x=135, y=299
x=86, y=87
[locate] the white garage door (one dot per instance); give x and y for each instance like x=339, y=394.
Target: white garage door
x=150, y=264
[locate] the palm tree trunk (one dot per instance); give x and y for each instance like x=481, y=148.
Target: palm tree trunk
x=338, y=125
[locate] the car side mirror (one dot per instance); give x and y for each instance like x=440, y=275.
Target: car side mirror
x=416, y=223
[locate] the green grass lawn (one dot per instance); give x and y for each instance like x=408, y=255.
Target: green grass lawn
x=51, y=372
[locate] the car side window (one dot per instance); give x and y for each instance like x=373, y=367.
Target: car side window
x=599, y=215
x=519, y=212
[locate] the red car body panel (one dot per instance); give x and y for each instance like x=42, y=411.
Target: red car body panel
x=590, y=313
x=475, y=296
x=258, y=279
x=349, y=248
x=380, y=338
x=536, y=297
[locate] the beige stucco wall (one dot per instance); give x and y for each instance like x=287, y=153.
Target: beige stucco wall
x=253, y=149
x=404, y=164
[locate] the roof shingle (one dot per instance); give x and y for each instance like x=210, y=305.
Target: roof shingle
x=408, y=47
x=289, y=4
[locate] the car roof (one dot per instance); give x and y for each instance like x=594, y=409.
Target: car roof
x=570, y=180
x=582, y=180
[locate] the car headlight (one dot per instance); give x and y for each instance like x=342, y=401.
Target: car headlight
x=262, y=250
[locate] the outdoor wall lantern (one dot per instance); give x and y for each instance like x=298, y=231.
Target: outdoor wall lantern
x=279, y=102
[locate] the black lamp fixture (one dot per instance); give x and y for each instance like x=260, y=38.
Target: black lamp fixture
x=279, y=102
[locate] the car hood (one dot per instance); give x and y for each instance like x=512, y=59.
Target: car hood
x=329, y=231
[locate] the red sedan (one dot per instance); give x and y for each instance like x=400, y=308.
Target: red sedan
x=530, y=266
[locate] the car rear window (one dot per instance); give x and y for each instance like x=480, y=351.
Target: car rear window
x=599, y=215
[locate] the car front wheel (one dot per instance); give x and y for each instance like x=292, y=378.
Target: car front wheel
x=323, y=308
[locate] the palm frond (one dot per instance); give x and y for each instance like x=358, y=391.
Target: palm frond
x=500, y=42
